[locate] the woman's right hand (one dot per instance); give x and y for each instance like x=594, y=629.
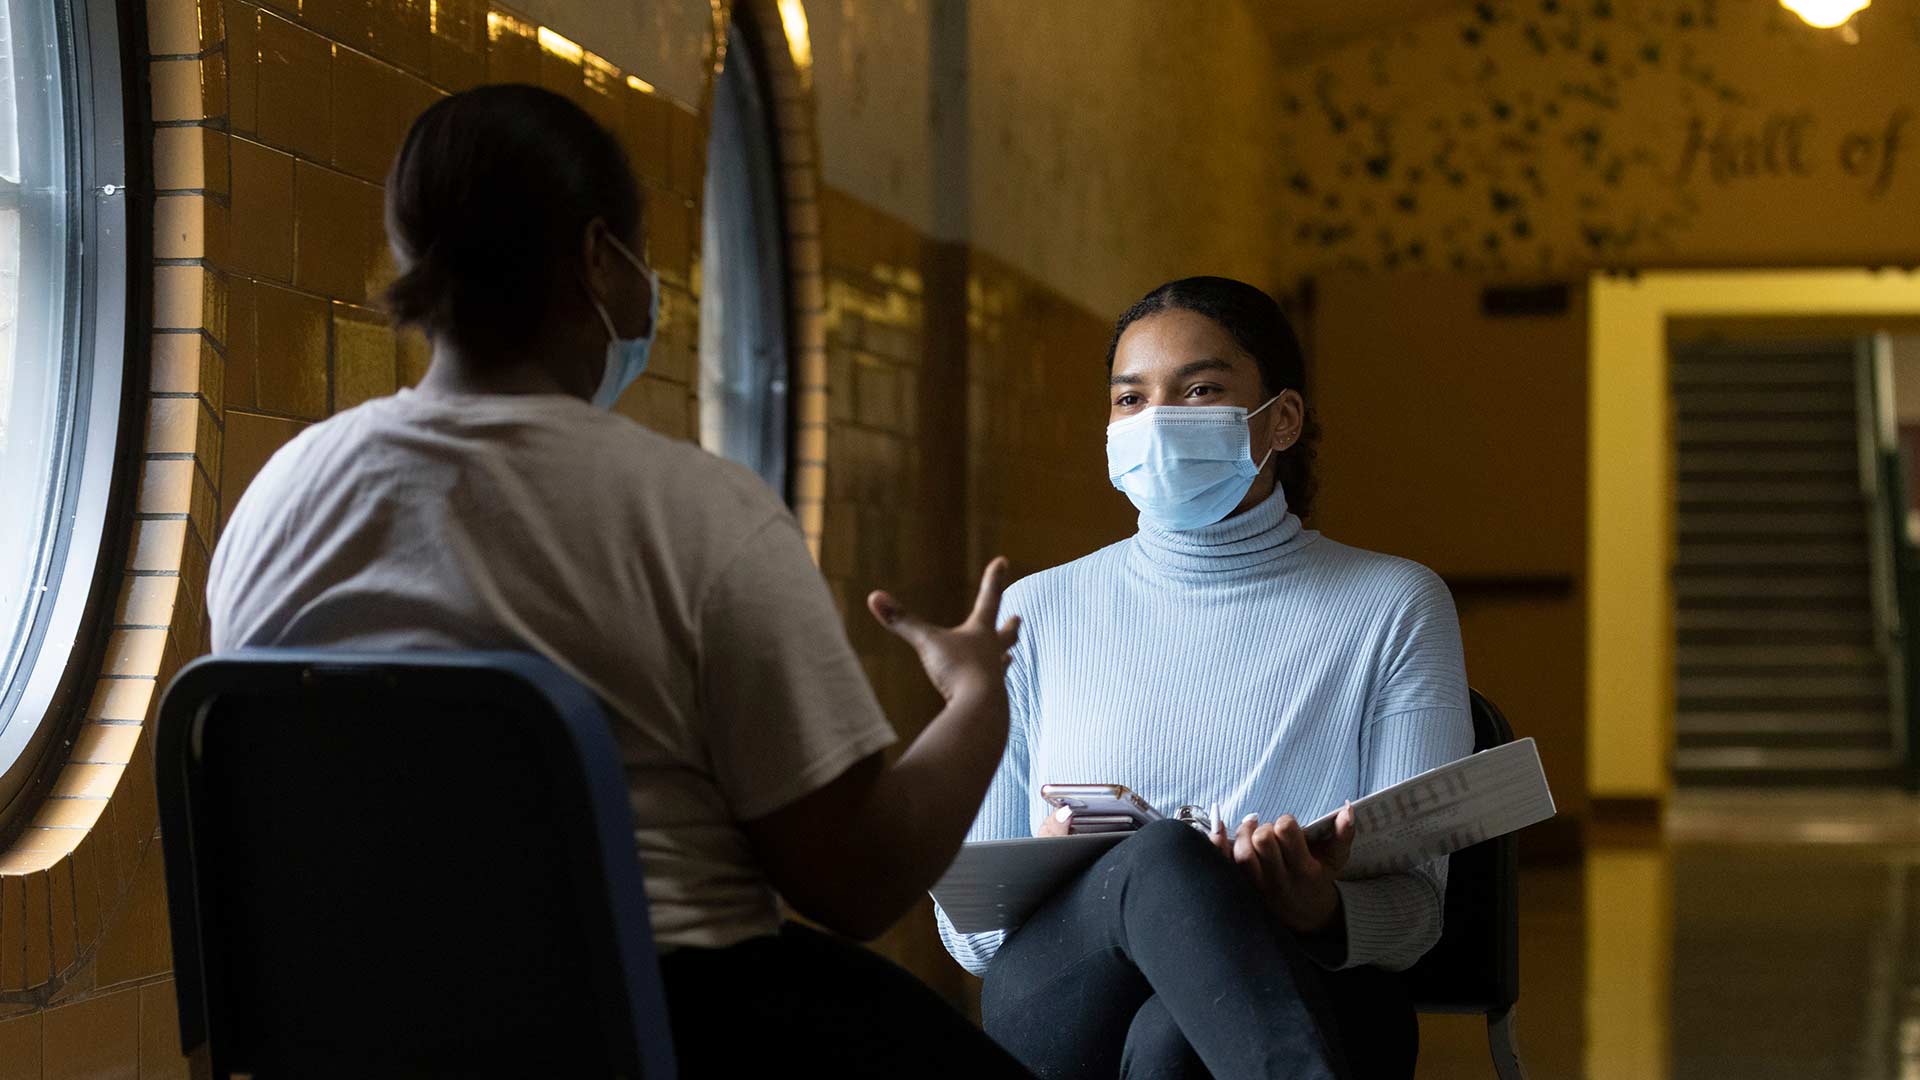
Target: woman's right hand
x=963, y=661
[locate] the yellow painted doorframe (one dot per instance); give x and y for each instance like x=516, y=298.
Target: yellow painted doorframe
x=1630, y=637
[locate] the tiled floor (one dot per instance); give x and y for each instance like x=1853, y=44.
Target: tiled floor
x=1765, y=935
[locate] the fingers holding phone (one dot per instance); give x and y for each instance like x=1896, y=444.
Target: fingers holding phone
x=1057, y=823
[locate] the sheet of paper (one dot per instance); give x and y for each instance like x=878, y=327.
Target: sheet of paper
x=1442, y=810
x=997, y=883
x=994, y=884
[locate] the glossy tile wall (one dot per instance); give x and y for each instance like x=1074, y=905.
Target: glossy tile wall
x=273, y=125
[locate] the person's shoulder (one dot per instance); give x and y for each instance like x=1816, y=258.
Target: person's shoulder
x=1068, y=579
x=290, y=466
x=1400, y=581
x=680, y=479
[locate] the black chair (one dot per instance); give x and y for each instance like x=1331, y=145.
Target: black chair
x=413, y=864
x=1475, y=968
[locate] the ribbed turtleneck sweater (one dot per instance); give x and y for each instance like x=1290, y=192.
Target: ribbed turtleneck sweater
x=1251, y=663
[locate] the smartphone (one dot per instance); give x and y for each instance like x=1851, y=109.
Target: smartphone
x=1100, y=808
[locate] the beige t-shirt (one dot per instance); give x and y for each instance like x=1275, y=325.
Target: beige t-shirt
x=673, y=584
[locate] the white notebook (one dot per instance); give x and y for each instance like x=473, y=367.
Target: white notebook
x=996, y=884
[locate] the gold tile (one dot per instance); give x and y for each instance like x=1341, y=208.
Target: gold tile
x=166, y=486
x=295, y=103
x=74, y=813
x=458, y=53
x=645, y=136
x=60, y=915
x=180, y=227
x=416, y=355
x=513, y=53
x=374, y=105
x=176, y=364
x=670, y=232
x=160, y=1056
x=121, y=699
x=240, y=380
x=365, y=357
x=39, y=961
x=190, y=159
x=177, y=91
x=561, y=73
x=172, y=424
x=339, y=236
x=348, y=22
x=13, y=933
x=399, y=33
x=686, y=149
x=243, y=66
x=262, y=211
x=86, y=878
x=810, y=482
x=97, y=1038
x=213, y=304
x=20, y=1046
x=147, y=601
x=173, y=27
x=137, y=652
x=251, y=440
x=206, y=448
x=213, y=82
x=180, y=295
x=156, y=546
x=203, y=513
x=104, y=744
x=290, y=344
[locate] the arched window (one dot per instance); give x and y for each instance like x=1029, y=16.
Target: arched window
x=62, y=342
x=743, y=303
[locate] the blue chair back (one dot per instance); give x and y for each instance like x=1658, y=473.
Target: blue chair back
x=403, y=864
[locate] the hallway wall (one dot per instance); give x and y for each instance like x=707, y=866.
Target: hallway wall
x=1547, y=136
x=958, y=412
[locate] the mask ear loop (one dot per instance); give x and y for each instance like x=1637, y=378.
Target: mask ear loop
x=1269, y=457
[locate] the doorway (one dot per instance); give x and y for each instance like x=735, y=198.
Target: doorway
x=1788, y=637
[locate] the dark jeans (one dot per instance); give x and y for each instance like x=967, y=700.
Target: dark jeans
x=1162, y=961
x=807, y=1004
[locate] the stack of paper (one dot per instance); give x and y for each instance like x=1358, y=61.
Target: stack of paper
x=995, y=884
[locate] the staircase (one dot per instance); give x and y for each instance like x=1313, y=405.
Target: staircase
x=1782, y=674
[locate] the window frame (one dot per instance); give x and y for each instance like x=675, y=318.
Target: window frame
x=765, y=204
x=63, y=645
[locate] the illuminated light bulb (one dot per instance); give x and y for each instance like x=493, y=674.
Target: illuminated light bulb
x=1826, y=14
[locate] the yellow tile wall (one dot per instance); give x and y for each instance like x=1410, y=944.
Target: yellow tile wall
x=274, y=122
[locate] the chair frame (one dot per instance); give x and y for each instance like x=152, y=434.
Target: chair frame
x=575, y=732
x=1498, y=1005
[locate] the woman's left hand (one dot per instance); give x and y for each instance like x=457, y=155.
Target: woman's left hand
x=1296, y=878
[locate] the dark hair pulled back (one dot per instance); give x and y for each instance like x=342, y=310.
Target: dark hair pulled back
x=487, y=204
x=1258, y=325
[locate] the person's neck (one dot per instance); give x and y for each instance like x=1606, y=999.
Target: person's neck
x=455, y=372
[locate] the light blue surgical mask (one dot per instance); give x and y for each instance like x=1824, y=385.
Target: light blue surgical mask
x=1184, y=466
x=626, y=357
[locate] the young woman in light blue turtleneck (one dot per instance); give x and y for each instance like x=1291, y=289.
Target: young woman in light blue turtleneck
x=1222, y=656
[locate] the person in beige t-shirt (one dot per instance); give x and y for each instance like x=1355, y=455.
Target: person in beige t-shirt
x=500, y=504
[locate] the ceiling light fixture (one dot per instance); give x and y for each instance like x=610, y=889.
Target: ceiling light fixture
x=1826, y=14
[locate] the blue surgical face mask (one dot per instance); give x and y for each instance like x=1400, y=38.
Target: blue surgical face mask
x=626, y=357
x=1184, y=466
